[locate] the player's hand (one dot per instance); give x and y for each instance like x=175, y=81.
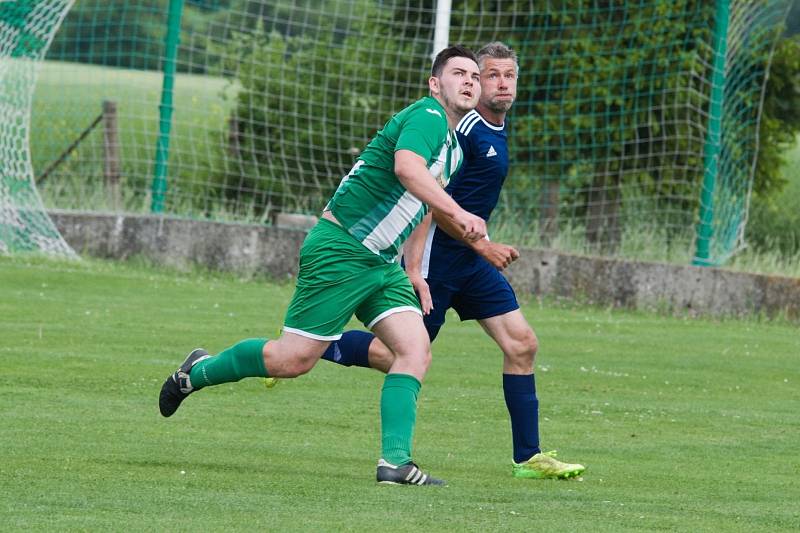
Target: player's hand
x=499, y=255
x=422, y=290
x=473, y=226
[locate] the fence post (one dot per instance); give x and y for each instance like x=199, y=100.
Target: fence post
x=705, y=226
x=111, y=153
x=171, y=39
x=548, y=211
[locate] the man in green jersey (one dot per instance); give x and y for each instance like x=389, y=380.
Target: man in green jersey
x=348, y=265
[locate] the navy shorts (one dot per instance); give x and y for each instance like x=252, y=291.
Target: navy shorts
x=482, y=293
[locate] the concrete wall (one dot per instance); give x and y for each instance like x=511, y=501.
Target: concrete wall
x=274, y=251
x=182, y=243
x=655, y=286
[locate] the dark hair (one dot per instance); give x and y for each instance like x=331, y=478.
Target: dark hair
x=457, y=50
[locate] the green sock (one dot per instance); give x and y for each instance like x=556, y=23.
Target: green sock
x=398, y=416
x=242, y=360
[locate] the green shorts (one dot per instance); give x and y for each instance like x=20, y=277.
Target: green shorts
x=340, y=277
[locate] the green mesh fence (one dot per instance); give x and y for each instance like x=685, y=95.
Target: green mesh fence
x=634, y=133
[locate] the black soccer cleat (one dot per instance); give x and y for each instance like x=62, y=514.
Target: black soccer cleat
x=407, y=474
x=178, y=386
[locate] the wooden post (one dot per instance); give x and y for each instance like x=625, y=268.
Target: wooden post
x=111, y=159
x=548, y=212
x=233, y=137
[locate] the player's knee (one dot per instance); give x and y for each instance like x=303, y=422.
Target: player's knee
x=427, y=357
x=533, y=344
x=419, y=358
x=523, y=348
x=422, y=362
x=380, y=356
x=299, y=366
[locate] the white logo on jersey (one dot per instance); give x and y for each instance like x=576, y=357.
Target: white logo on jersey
x=491, y=152
x=433, y=111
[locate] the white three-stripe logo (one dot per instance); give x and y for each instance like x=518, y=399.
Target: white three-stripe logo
x=491, y=152
x=416, y=477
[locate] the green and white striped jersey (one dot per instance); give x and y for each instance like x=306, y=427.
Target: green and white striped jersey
x=370, y=202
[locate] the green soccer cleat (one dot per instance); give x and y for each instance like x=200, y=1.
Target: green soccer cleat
x=546, y=466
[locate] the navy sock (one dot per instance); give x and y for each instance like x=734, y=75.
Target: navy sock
x=523, y=407
x=351, y=349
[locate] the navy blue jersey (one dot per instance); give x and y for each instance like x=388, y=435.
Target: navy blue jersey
x=475, y=187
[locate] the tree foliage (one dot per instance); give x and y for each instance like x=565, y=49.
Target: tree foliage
x=130, y=34
x=780, y=120
x=775, y=219
x=308, y=103
x=793, y=19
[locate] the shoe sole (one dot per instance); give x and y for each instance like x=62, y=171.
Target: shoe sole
x=412, y=484
x=565, y=475
x=165, y=398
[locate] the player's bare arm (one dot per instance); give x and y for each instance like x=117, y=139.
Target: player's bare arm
x=412, y=172
x=498, y=254
x=413, y=250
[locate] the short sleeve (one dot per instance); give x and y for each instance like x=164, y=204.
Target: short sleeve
x=466, y=143
x=423, y=132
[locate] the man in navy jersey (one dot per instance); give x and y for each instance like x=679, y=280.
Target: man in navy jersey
x=449, y=272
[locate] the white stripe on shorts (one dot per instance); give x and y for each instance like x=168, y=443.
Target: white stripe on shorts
x=312, y=335
x=391, y=312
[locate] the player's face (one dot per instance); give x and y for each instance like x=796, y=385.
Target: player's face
x=460, y=85
x=498, y=84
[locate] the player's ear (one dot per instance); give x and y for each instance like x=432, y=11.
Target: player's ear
x=433, y=84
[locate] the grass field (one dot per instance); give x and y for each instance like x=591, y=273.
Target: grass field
x=69, y=96
x=685, y=425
